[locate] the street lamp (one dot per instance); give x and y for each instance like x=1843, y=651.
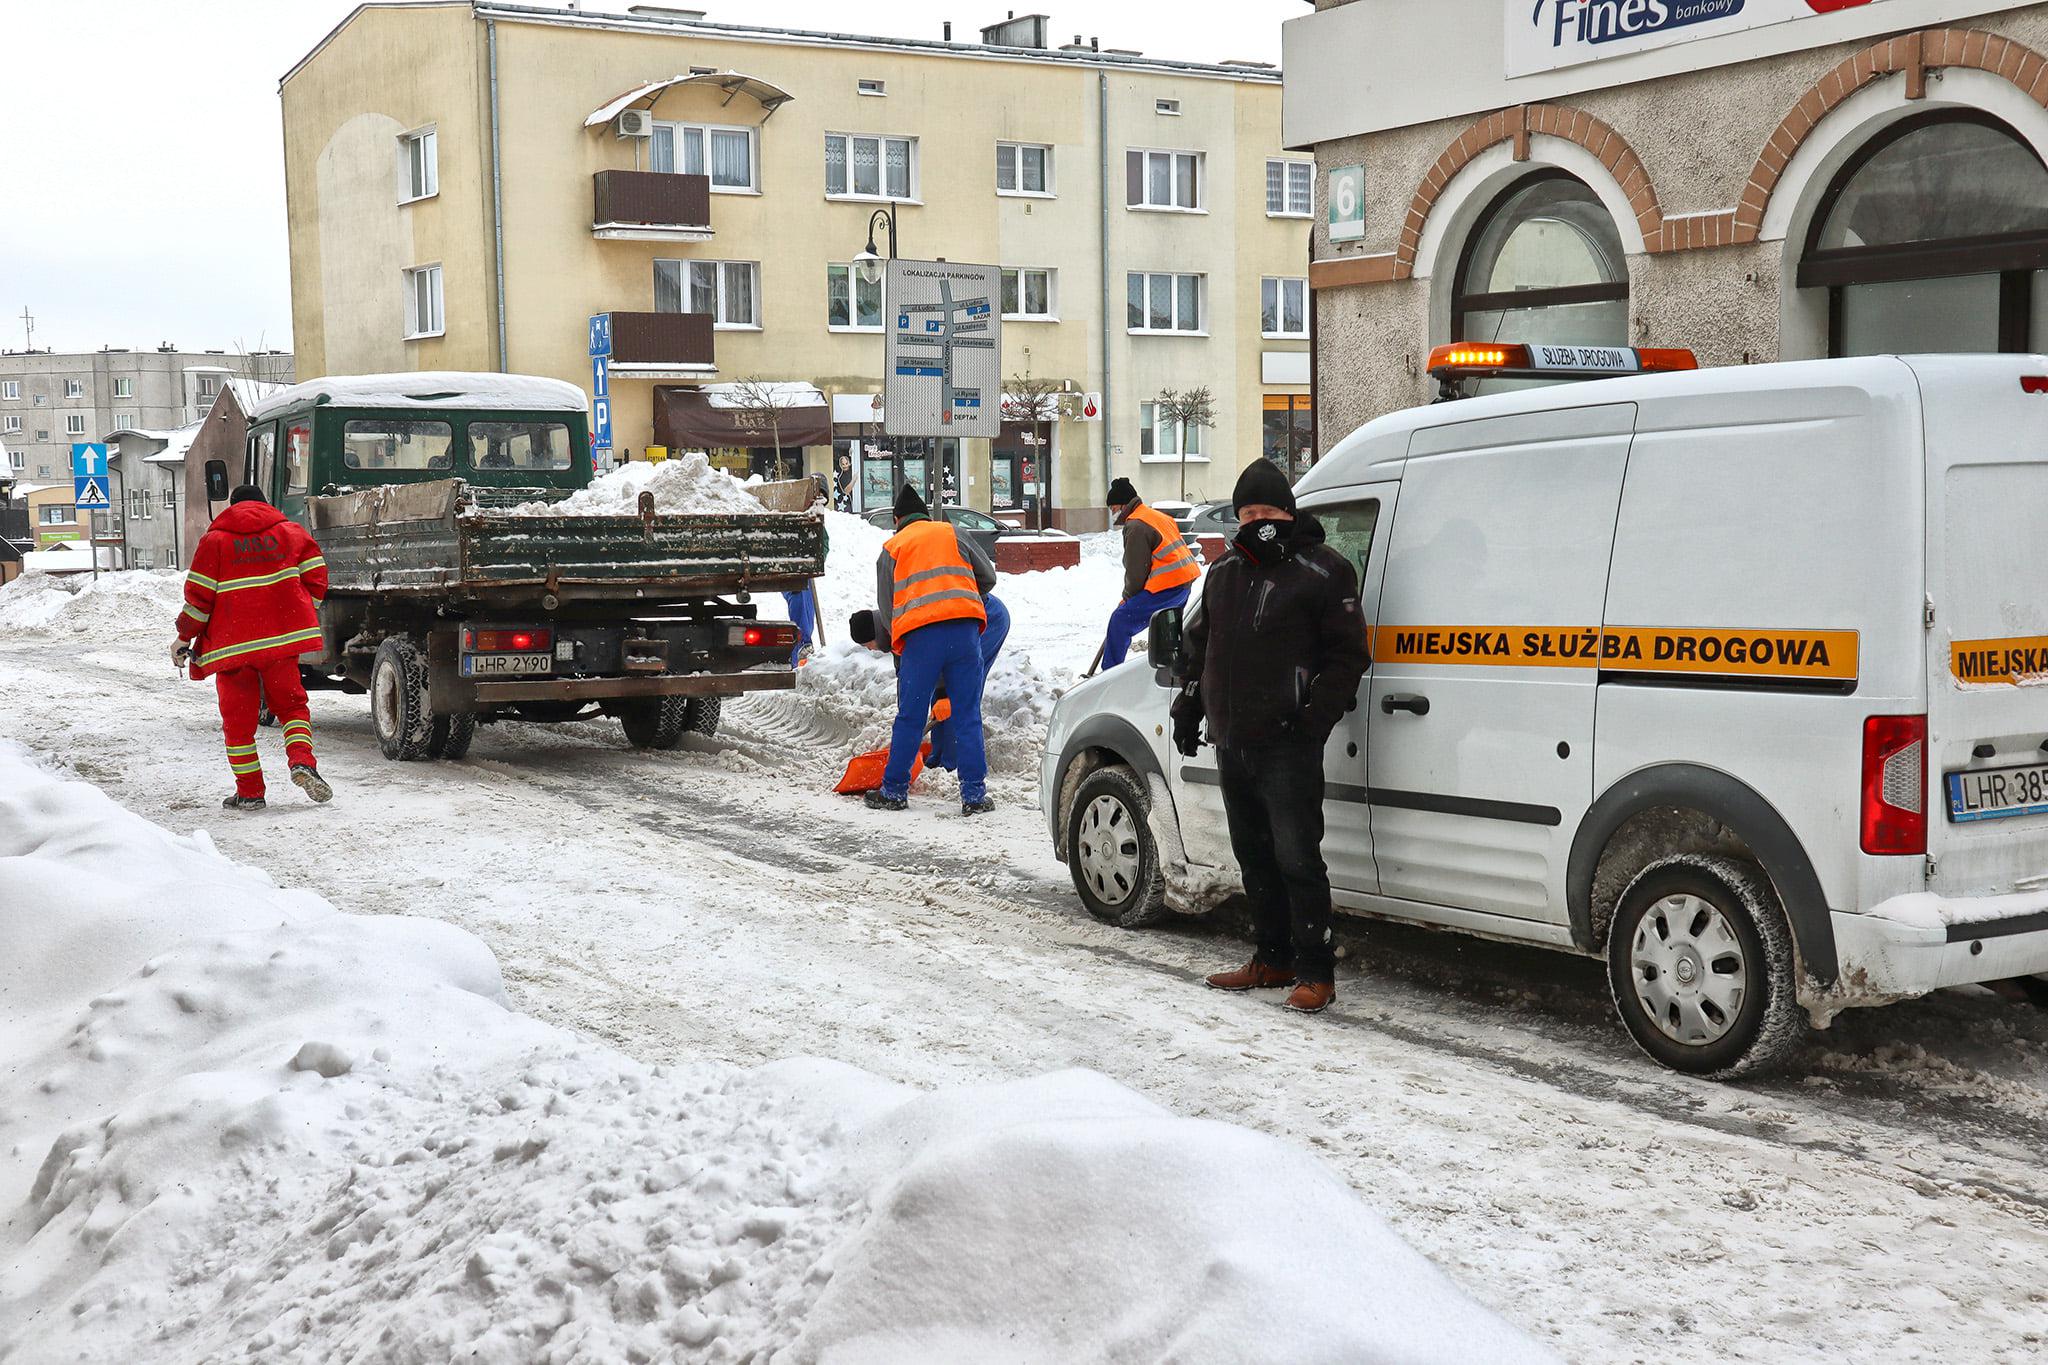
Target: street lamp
x=868, y=263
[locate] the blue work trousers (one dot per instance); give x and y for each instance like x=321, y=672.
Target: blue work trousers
x=1134, y=614
x=804, y=613
x=949, y=650
x=991, y=644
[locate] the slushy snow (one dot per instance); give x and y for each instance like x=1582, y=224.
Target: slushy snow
x=238, y=1123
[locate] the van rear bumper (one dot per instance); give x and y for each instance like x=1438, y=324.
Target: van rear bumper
x=1911, y=945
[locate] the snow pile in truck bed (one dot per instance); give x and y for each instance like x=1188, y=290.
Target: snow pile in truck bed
x=129, y=601
x=688, y=483
x=237, y=1124
x=430, y=389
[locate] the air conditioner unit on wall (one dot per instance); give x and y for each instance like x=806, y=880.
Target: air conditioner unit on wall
x=634, y=123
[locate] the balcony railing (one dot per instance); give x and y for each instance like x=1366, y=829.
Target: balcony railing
x=662, y=344
x=651, y=206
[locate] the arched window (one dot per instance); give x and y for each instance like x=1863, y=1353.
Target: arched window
x=1544, y=264
x=1934, y=237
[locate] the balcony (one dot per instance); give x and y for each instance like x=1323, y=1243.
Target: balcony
x=651, y=206
x=662, y=346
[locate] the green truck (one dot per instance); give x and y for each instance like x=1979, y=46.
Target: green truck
x=458, y=595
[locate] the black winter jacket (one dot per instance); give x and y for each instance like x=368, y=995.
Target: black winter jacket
x=1278, y=648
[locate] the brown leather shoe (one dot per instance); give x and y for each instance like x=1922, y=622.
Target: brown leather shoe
x=1311, y=997
x=1252, y=976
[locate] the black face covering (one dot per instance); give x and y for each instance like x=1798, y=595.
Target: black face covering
x=1264, y=542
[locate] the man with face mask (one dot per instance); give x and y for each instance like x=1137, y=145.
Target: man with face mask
x=1273, y=655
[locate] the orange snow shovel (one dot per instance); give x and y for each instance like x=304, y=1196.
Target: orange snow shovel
x=864, y=771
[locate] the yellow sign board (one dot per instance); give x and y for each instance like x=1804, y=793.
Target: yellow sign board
x=1720, y=652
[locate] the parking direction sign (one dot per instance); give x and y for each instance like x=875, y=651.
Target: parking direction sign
x=601, y=402
x=89, y=483
x=600, y=334
x=942, y=362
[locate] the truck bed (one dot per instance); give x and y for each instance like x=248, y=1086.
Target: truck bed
x=427, y=539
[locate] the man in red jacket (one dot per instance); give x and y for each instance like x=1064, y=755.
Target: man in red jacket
x=249, y=614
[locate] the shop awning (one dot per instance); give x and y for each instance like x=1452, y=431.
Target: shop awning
x=712, y=415
x=769, y=97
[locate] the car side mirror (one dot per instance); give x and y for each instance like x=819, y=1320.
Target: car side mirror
x=216, y=480
x=1162, y=639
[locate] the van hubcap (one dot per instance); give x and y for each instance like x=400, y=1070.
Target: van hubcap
x=1689, y=969
x=1108, y=848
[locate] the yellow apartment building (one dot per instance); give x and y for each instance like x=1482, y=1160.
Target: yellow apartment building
x=470, y=183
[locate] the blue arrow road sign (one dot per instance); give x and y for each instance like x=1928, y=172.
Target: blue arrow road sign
x=90, y=492
x=600, y=334
x=88, y=457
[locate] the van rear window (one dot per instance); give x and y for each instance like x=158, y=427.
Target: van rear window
x=395, y=443
x=519, y=445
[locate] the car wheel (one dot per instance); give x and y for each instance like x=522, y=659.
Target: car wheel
x=398, y=700
x=1700, y=959
x=1111, y=852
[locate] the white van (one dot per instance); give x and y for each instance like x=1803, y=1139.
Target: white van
x=1737, y=677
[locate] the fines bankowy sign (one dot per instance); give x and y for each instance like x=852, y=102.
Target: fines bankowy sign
x=1546, y=34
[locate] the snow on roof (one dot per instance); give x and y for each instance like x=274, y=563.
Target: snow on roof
x=250, y=393
x=426, y=389
x=771, y=97
x=784, y=393
x=177, y=444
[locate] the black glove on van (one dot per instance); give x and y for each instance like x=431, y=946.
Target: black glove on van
x=1188, y=714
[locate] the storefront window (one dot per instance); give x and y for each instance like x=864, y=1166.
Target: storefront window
x=1934, y=238
x=1288, y=437
x=1545, y=264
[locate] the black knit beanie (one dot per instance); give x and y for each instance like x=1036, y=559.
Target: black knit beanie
x=1262, y=483
x=1121, y=494
x=909, y=504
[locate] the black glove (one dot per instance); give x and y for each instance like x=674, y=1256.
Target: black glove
x=1188, y=714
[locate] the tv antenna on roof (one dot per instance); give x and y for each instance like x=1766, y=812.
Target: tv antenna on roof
x=28, y=325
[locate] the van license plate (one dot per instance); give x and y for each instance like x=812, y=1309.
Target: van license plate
x=1996, y=793
x=506, y=665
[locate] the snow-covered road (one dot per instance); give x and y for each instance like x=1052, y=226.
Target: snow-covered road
x=1884, y=1200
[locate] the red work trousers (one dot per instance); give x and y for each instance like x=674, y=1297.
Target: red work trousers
x=242, y=691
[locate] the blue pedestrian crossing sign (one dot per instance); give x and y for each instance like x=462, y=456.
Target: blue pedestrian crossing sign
x=89, y=475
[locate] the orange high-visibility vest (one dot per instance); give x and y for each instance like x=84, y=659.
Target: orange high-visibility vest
x=934, y=581
x=1173, y=563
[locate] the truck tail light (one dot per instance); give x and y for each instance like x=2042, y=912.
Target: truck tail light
x=507, y=641
x=763, y=636
x=1895, y=784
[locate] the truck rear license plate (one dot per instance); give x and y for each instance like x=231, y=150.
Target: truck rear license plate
x=1998, y=793
x=506, y=665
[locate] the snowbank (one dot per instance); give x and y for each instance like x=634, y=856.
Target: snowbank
x=237, y=1123
x=687, y=483
x=136, y=600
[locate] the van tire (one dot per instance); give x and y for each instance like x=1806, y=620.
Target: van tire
x=398, y=700
x=450, y=736
x=655, y=722
x=703, y=715
x=1111, y=852
x=1733, y=926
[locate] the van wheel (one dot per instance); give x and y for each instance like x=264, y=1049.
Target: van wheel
x=1701, y=962
x=1111, y=852
x=703, y=715
x=398, y=700
x=450, y=736
x=655, y=722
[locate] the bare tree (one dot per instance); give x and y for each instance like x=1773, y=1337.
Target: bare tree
x=758, y=405
x=1184, y=412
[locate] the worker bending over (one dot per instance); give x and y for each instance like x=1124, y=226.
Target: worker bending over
x=1159, y=569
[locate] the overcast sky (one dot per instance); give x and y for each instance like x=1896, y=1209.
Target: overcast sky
x=145, y=167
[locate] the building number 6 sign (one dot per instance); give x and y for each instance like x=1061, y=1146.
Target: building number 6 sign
x=1347, y=203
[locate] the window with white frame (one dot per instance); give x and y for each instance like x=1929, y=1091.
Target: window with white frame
x=11, y=423
x=1163, y=303
x=1023, y=168
x=423, y=302
x=74, y=388
x=18, y=460
x=1166, y=107
x=208, y=385
x=10, y=389
x=124, y=421
x=170, y=498
x=1283, y=306
x=141, y=559
x=851, y=303
x=864, y=166
x=1290, y=188
x=723, y=153
x=58, y=514
x=869, y=86
x=74, y=424
x=419, y=171
x=1028, y=294
x=1163, y=180
x=124, y=388
x=1159, y=435
x=728, y=290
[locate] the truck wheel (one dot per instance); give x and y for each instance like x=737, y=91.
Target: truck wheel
x=398, y=700
x=1110, y=850
x=1700, y=959
x=703, y=715
x=449, y=737
x=655, y=722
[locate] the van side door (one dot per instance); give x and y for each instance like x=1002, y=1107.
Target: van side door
x=1485, y=660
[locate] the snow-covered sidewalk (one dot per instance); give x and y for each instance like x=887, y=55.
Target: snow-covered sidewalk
x=236, y=1121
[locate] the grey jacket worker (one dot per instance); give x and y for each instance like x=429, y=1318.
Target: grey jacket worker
x=885, y=585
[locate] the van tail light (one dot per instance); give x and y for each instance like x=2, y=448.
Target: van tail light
x=1895, y=785
x=2034, y=383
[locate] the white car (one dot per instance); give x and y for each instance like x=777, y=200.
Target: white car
x=1733, y=676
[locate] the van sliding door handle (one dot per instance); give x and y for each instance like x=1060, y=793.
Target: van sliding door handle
x=1401, y=701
